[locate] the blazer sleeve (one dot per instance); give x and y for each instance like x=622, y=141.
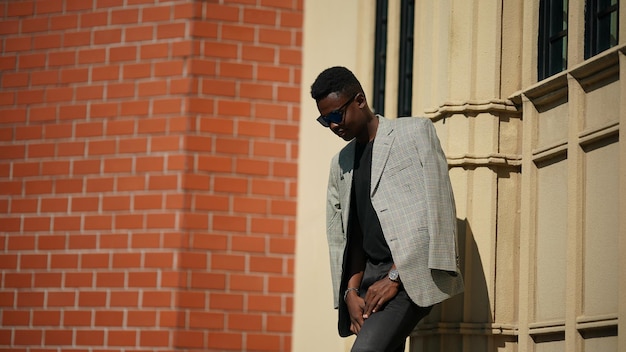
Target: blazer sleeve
x=334, y=228
x=442, y=251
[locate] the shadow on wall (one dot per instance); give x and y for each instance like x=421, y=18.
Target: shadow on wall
x=466, y=318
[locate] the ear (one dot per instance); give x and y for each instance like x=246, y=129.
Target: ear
x=361, y=100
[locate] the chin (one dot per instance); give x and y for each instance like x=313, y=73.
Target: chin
x=343, y=134
x=347, y=138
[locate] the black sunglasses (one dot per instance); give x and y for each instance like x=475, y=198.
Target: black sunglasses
x=335, y=116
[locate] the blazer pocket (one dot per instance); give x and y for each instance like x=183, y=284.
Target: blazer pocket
x=335, y=227
x=399, y=166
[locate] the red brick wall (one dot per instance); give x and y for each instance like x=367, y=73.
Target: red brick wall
x=148, y=156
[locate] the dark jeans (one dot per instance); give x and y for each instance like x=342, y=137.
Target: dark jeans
x=387, y=329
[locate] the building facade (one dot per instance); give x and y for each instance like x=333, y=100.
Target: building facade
x=148, y=159
x=527, y=98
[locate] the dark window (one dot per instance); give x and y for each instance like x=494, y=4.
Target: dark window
x=405, y=62
x=552, y=37
x=601, y=25
x=380, y=56
x=405, y=65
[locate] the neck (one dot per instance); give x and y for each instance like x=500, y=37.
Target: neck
x=369, y=132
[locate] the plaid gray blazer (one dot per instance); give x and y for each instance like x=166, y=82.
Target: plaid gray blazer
x=413, y=198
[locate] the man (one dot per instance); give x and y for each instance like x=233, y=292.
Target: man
x=391, y=219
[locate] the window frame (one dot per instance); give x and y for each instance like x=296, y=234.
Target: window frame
x=593, y=26
x=552, y=38
x=405, y=60
x=380, y=55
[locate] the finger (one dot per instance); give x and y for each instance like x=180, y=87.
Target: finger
x=366, y=310
x=359, y=321
x=379, y=304
x=355, y=327
x=369, y=304
x=371, y=293
x=368, y=298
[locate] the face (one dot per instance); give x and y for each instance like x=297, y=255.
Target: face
x=342, y=115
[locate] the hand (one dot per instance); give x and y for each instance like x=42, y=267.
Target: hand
x=378, y=294
x=355, y=307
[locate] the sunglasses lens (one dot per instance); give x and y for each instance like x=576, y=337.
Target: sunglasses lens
x=322, y=120
x=335, y=117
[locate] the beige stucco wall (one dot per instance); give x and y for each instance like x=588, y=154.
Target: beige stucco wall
x=332, y=36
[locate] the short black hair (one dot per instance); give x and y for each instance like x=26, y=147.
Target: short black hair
x=335, y=79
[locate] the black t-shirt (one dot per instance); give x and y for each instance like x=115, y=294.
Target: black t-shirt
x=374, y=243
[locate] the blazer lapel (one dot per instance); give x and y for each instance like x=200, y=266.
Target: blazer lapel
x=380, y=152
